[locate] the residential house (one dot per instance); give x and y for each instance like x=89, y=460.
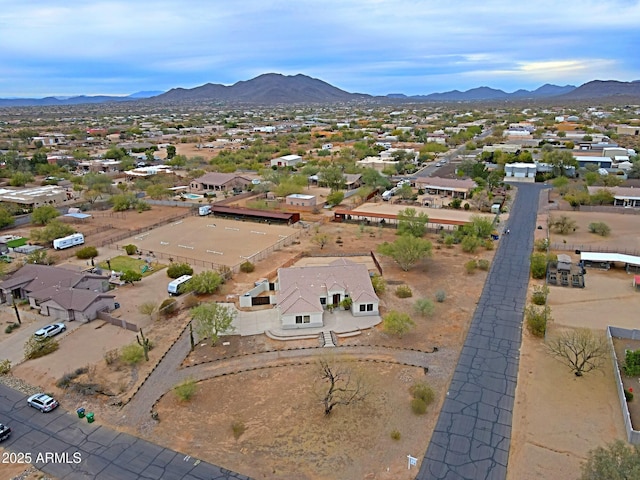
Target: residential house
x=220, y=182
x=305, y=292
x=520, y=171
x=286, y=161
x=628, y=197
x=452, y=187
x=60, y=293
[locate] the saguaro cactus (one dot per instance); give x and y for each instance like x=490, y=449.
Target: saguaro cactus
x=145, y=343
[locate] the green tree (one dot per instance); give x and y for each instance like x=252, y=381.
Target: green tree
x=373, y=178
x=602, y=197
x=124, y=201
x=97, y=182
x=410, y=222
x=205, y=283
x=479, y=226
x=171, y=152
x=54, y=229
x=130, y=276
x=44, y=214
x=321, y=239
x=616, y=461
x=335, y=198
x=212, y=320
x=158, y=192
x=332, y=177
x=406, y=250
x=20, y=179
x=176, y=270
x=396, y=323
x=6, y=218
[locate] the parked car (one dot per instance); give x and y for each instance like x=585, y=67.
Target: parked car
x=116, y=305
x=5, y=432
x=50, y=330
x=42, y=402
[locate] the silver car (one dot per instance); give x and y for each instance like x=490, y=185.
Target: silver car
x=50, y=330
x=42, y=402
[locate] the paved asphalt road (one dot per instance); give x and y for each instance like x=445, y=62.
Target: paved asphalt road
x=472, y=436
x=91, y=451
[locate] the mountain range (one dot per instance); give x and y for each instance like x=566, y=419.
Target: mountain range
x=274, y=88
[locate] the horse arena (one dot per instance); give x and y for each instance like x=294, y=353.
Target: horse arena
x=213, y=242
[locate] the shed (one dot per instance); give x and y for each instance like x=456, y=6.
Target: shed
x=564, y=262
x=495, y=208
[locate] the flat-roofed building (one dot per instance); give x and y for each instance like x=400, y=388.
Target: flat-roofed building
x=36, y=196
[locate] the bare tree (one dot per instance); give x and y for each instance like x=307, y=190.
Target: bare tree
x=321, y=239
x=580, y=349
x=340, y=385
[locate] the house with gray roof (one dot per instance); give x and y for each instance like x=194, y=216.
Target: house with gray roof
x=304, y=293
x=59, y=293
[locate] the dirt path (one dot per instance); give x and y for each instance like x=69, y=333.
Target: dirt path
x=168, y=372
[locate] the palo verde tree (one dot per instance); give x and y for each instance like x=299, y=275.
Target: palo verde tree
x=618, y=461
x=410, y=222
x=406, y=250
x=339, y=384
x=44, y=214
x=212, y=320
x=580, y=349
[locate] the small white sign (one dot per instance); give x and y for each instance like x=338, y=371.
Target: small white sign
x=413, y=461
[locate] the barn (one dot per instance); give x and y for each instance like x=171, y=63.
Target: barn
x=254, y=215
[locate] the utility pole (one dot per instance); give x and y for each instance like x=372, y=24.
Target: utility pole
x=15, y=307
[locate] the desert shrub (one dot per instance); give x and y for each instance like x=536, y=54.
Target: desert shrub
x=471, y=266
x=631, y=365
x=64, y=381
x=404, y=291
x=470, y=243
x=35, y=348
x=395, y=434
x=5, y=366
x=441, y=295
x=130, y=249
x=132, y=354
x=628, y=396
x=422, y=391
x=424, y=307
x=110, y=356
x=11, y=327
x=379, y=284
x=537, y=320
x=87, y=252
x=600, y=228
x=541, y=245
x=488, y=244
x=539, y=296
x=168, y=306
x=538, y=265
x=186, y=389
x=397, y=323
x=225, y=272
x=449, y=240
x=190, y=301
x=467, y=206
x=238, y=428
x=418, y=406
x=483, y=264
x=247, y=267
x=176, y=270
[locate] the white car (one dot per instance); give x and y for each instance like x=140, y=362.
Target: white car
x=42, y=402
x=50, y=330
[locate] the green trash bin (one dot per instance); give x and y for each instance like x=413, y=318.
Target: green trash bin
x=90, y=417
x=80, y=412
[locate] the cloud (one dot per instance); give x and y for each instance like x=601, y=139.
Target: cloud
x=425, y=43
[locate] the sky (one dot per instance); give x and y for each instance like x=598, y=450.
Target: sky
x=105, y=47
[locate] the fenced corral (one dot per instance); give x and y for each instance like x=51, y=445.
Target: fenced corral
x=211, y=242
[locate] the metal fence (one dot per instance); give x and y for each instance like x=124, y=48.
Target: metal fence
x=633, y=436
x=591, y=248
x=118, y=322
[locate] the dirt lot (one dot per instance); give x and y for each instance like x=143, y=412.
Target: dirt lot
x=559, y=418
x=288, y=436
x=211, y=240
